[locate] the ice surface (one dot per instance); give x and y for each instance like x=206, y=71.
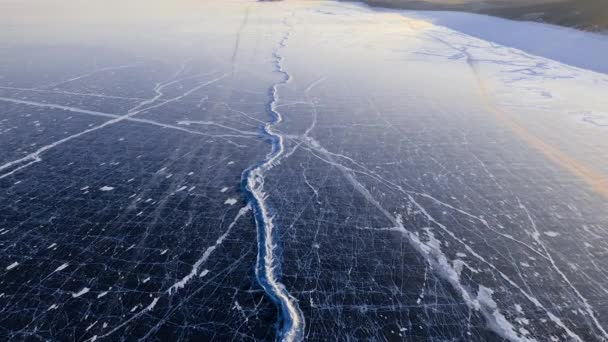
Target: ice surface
x=553, y=42
x=299, y=170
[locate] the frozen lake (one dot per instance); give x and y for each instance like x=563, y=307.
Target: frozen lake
x=240, y=170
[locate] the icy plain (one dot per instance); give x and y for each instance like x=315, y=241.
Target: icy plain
x=249, y=171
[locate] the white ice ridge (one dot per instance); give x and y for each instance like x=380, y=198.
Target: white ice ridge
x=293, y=329
x=148, y=104
x=528, y=296
x=195, y=268
x=545, y=253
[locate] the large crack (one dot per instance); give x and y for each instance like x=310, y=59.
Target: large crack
x=291, y=320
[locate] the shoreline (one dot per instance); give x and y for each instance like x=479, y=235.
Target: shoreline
x=584, y=15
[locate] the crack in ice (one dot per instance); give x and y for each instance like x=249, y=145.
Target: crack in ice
x=253, y=181
x=195, y=268
x=34, y=157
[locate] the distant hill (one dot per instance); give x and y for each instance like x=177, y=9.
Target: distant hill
x=589, y=15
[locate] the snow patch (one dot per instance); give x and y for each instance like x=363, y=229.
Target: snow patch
x=495, y=319
x=81, y=292
x=61, y=268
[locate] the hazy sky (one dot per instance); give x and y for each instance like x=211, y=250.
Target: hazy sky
x=116, y=20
